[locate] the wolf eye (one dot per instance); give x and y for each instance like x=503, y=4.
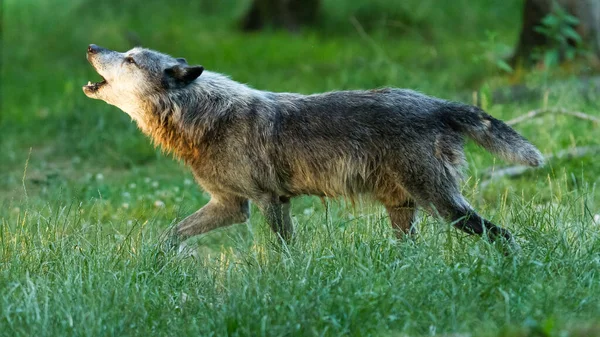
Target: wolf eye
x=129, y=60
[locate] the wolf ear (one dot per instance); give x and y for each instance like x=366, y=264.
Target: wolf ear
x=182, y=60
x=184, y=74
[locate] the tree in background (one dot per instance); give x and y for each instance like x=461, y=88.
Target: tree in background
x=288, y=14
x=555, y=30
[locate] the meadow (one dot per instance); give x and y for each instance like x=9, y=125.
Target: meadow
x=85, y=198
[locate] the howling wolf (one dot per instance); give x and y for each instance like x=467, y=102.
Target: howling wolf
x=399, y=147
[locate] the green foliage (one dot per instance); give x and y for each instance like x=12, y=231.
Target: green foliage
x=563, y=40
x=85, y=198
x=494, y=52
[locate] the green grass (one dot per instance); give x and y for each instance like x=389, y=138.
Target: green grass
x=85, y=198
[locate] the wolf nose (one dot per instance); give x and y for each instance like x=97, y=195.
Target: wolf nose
x=93, y=49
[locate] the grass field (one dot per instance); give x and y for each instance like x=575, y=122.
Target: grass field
x=85, y=198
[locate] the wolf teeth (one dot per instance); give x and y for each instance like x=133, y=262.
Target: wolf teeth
x=89, y=83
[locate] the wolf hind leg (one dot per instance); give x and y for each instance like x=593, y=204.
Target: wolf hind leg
x=442, y=197
x=466, y=219
x=457, y=210
x=400, y=207
x=402, y=218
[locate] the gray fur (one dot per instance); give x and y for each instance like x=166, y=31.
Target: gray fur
x=400, y=147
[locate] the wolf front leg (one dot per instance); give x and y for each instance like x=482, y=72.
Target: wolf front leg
x=219, y=212
x=277, y=213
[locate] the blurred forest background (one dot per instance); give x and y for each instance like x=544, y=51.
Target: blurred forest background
x=84, y=197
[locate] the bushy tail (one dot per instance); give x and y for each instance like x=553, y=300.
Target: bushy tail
x=493, y=134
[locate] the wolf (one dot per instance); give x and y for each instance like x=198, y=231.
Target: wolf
x=399, y=147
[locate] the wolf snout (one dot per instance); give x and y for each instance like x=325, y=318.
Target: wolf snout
x=93, y=49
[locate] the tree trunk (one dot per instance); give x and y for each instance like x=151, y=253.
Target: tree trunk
x=588, y=28
x=288, y=14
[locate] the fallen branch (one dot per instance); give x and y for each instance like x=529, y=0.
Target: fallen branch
x=518, y=170
x=539, y=112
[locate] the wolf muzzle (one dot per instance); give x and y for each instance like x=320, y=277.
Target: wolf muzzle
x=94, y=49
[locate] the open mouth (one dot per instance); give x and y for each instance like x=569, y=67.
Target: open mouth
x=95, y=86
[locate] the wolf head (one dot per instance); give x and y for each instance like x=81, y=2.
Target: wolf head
x=129, y=79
